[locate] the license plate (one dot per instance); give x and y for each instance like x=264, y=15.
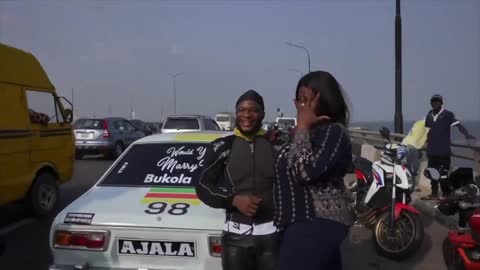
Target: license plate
x=156, y=248
x=85, y=136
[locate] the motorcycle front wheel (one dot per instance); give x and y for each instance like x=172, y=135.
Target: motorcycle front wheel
x=398, y=242
x=451, y=257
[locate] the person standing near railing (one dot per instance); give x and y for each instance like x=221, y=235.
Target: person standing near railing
x=439, y=121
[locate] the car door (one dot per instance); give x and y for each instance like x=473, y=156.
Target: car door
x=132, y=133
x=116, y=129
x=15, y=144
x=52, y=140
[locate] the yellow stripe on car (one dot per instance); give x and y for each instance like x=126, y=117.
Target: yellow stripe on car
x=196, y=137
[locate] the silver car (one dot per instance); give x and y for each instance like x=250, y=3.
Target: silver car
x=182, y=123
x=107, y=136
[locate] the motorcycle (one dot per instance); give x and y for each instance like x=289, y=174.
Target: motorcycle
x=381, y=195
x=461, y=248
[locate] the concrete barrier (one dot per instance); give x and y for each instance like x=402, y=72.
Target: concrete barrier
x=370, y=152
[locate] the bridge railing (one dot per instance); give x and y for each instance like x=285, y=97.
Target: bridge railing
x=366, y=139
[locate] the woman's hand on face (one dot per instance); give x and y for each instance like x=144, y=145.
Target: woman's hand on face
x=306, y=107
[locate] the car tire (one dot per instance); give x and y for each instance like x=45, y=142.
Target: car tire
x=43, y=196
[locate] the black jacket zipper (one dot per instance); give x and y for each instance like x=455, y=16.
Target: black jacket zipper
x=252, y=152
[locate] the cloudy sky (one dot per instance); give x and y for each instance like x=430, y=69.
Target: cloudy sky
x=117, y=53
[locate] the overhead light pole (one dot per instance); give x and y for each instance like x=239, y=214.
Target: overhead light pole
x=303, y=48
x=174, y=77
x=398, y=70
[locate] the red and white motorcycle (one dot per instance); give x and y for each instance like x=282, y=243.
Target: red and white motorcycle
x=381, y=196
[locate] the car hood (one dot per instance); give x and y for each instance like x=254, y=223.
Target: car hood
x=131, y=206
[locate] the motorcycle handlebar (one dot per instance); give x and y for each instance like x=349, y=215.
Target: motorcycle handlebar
x=462, y=200
x=467, y=205
x=387, y=151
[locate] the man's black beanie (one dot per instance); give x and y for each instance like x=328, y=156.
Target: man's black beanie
x=437, y=97
x=253, y=96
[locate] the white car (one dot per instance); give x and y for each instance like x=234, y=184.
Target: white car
x=225, y=120
x=286, y=122
x=183, y=123
x=143, y=213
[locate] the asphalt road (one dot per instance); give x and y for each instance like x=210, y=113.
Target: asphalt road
x=28, y=246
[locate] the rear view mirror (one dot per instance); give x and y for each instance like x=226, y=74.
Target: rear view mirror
x=68, y=115
x=385, y=132
x=68, y=112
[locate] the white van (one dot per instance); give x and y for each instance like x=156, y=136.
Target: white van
x=225, y=120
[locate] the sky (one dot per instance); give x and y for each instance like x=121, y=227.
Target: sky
x=117, y=53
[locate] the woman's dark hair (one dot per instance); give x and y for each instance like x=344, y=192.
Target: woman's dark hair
x=332, y=102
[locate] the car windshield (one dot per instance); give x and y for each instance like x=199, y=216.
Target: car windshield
x=223, y=118
x=89, y=124
x=181, y=123
x=161, y=164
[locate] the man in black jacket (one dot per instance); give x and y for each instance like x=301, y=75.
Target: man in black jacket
x=243, y=164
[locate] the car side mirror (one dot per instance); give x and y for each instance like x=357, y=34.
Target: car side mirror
x=385, y=132
x=68, y=113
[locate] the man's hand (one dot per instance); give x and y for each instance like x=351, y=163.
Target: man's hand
x=246, y=204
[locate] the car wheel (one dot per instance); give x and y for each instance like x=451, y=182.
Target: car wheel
x=43, y=196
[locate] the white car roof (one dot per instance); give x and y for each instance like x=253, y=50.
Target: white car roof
x=195, y=136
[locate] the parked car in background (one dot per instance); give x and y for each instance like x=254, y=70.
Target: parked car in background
x=144, y=212
x=155, y=127
x=285, y=123
x=107, y=136
x=181, y=123
x=142, y=126
x=225, y=120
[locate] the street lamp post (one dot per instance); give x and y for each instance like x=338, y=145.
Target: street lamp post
x=398, y=70
x=174, y=77
x=305, y=49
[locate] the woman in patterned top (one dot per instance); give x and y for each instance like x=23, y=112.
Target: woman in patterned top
x=310, y=199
